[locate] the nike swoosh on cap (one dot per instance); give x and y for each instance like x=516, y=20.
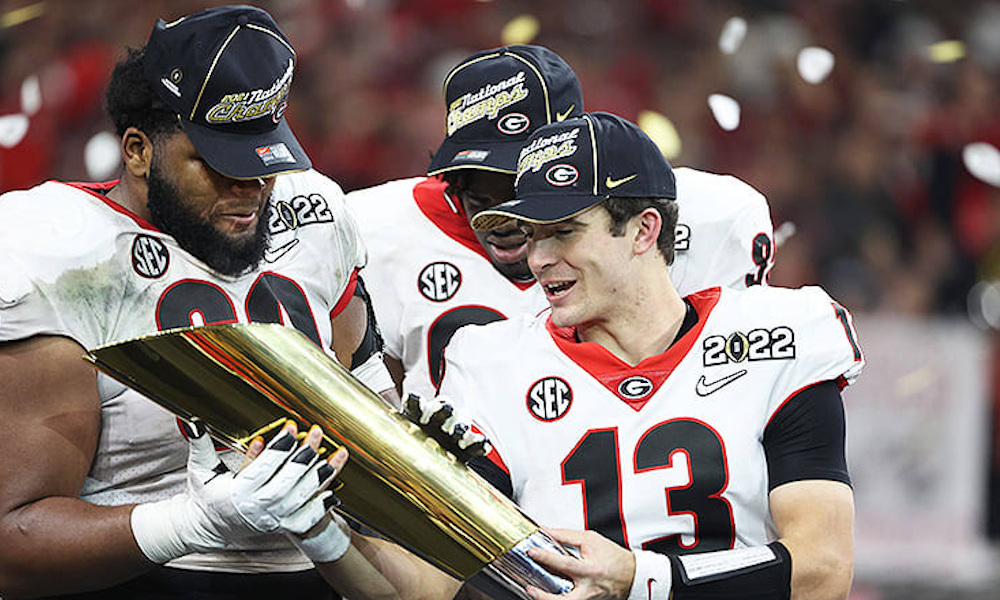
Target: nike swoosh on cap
x=562, y=116
x=613, y=183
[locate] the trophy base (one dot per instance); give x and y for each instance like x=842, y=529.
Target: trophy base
x=507, y=577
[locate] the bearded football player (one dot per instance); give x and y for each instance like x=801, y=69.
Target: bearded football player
x=217, y=218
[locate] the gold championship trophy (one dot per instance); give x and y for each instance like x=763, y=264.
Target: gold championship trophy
x=248, y=380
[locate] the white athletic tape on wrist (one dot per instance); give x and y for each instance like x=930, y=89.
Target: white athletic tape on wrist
x=327, y=544
x=653, y=579
x=154, y=531
x=374, y=374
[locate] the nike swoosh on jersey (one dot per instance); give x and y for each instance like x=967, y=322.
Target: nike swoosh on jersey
x=613, y=183
x=562, y=116
x=704, y=388
x=273, y=254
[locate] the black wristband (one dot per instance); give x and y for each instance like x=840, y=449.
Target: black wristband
x=749, y=576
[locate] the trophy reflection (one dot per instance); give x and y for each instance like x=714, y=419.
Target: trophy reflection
x=248, y=380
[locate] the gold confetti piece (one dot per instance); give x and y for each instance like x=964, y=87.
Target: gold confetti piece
x=662, y=132
x=946, y=51
x=520, y=30
x=22, y=15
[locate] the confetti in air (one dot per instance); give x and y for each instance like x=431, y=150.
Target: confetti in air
x=21, y=15
x=984, y=304
x=732, y=35
x=101, y=155
x=725, y=110
x=31, y=95
x=983, y=161
x=815, y=64
x=520, y=30
x=13, y=128
x=662, y=131
x=947, y=51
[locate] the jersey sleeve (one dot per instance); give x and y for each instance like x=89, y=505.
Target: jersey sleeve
x=725, y=236
x=370, y=206
x=346, y=253
x=826, y=345
x=25, y=310
x=747, y=254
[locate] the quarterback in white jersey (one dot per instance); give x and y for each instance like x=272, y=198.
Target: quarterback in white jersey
x=698, y=439
x=664, y=455
x=429, y=274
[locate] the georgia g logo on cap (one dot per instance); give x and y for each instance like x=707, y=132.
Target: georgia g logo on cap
x=562, y=175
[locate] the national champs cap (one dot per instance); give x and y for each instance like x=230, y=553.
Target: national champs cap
x=495, y=99
x=565, y=168
x=226, y=72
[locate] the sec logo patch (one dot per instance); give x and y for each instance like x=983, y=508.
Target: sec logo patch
x=150, y=257
x=550, y=398
x=439, y=281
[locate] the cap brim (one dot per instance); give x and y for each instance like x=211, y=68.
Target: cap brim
x=247, y=156
x=486, y=156
x=538, y=209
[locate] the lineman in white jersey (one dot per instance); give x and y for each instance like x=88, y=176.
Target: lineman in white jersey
x=431, y=274
x=213, y=221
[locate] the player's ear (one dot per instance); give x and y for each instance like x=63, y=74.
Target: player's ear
x=648, y=225
x=137, y=152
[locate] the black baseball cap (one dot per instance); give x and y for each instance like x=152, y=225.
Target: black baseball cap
x=565, y=168
x=226, y=72
x=495, y=99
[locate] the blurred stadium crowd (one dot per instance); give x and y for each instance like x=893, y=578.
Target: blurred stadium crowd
x=867, y=164
x=882, y=174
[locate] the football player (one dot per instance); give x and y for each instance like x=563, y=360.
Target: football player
x=217, y=218
x=688, y=446
x=431, y=273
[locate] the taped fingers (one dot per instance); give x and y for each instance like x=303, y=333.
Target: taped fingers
x=258, y=472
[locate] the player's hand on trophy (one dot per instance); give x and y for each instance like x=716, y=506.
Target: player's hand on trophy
x=599, y=568
x=439, y=419
x=282, y=490
x=324, y=540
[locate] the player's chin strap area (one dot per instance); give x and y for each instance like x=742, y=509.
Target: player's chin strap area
x=756, y=573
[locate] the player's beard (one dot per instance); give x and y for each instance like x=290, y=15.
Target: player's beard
x=223, y=254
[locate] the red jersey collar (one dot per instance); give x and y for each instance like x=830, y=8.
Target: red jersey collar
x=448, y=215
x=634, y=385
x=100, y=191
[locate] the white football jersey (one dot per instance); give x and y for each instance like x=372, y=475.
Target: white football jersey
x=428, y=275
x=78, y=265
x=666, y=455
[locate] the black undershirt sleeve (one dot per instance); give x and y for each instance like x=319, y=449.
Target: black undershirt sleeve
x=489, y=471
x=805, y=438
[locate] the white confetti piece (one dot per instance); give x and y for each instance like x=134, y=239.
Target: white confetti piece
x=815, y=64
x=732, y=35
x=725, y=110
x=101, y=155
x=983, y=162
